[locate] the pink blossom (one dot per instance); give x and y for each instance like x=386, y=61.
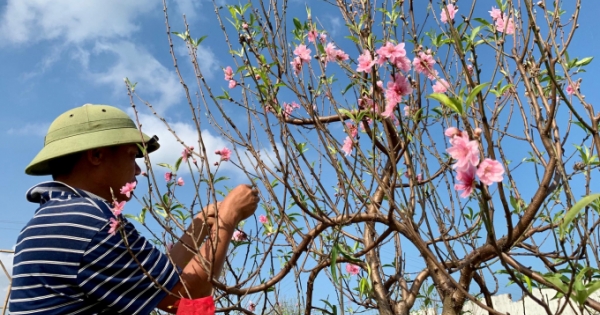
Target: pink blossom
x=114, y=225
x=353, y=129
x=228, y=73
x=245, y=25
x=239, y=236
x=505, y=27
x=403, y=64
x=440, y=86
x=186, y=153
x=407, y=110
x=465, y=152
x=470, y=69
x=288, y=108
x=495, y=13
x=251, y=306
x=451, y=13
x=297, y=65
x=232, y=84
x=128, y=189
x=168, y=176
x=180, y=182
x=451, y=132
x=303, y=53
x=352, y=269
x=169, y=246
x=398, y=87
x=262, y=219
x=312, y=36
x=365, y=62
x=477, y=132
x=390, y=52
x=572, y=88
x=334, y=54
x=118, y=207
x=490, y=171
x=347, y=148
x=466, y=177
x=225, y=154
x=389, y=110
x=323, y=37
x=424, y=64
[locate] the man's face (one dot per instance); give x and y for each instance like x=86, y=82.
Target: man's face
x=121, y=168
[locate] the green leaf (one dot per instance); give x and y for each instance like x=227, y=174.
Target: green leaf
x=474, y=93
x=334, y=254
x=482, y=21
x=583, y=62
x=556, y=279
x=452, y=103
x=574, y=211
x=297, y=24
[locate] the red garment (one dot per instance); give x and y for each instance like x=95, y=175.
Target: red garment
x=203, y=306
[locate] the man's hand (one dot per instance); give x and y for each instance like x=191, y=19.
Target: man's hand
x=239, y=204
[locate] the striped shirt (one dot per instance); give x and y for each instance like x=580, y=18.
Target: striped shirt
x=67, y=262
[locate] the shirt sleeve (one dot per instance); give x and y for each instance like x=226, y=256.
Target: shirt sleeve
x=110, y=273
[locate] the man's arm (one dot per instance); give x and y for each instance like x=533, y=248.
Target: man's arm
x=239, y=204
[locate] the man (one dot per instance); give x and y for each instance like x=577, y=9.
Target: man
x=78, y=255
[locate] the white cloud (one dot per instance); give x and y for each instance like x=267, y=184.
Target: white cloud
x=28, y=21
x=30, y=129
x=189, y=8
x=155, y=82
x=204, y=55
x=170, y=149
x=207, y=61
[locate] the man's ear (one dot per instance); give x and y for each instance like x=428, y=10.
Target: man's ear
x=95, y=156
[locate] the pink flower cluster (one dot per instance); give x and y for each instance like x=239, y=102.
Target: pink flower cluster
x=262, y=219
x=239, y=236
x=398, y=87
x=365, y=62
x=312, y=36
x=466, y=154
x=572, y=88
x=302, y=56
x=352, y=269
x=118, y=207
x=502, y=24
x=224, y=153
x=424, y=63
x=186, y=153
x=251, y=306
x=128, y=189
x=395, y=54
x=334, y=54
x=114, y=225
x=441, y=86
x=451, y=13
x=347, y=147
x=229, y=77
x=288, y=108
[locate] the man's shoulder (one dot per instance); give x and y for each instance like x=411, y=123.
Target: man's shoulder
x=59, y=200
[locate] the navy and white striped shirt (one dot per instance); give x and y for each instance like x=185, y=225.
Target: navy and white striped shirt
x=66, y=262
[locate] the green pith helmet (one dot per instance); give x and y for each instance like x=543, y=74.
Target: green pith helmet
x=84, y=128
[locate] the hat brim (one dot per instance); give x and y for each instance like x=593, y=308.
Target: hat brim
x=104, y=138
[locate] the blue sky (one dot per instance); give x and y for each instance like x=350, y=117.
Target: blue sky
x=61, y=54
